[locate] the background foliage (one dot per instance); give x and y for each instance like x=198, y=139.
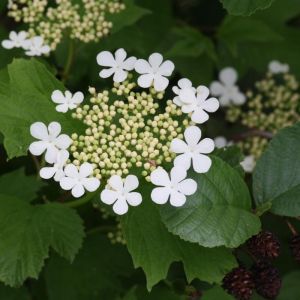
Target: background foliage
x=53, y=248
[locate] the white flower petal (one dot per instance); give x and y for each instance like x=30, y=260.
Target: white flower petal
x=178, y=146
x=184, y=83
x=90, y=184
x=160, y=177
x=145, y=80
x=39, y=131
x=228, y=76
x=201, y=163
x=7, y=44
x=188, y=108
x=105, y=59
x=85, y=170
x=78, y=98
x=142, y=66
x=77, y=190
x=248, y=163
x=116, y=182
x=192, y=135
x=166, y=68
x=202, y=92
x=224, y=100
x=187, y=95
x=160, y=83
x=58, y=97
x=177, y=199
x=129, y=63
x=199, y=116
x=108, y=196
x=51, y=154
x=187, y=187
x=67, y=183
x=71, y=171
x=134, y=199
x=183, y=160
x=216, y=88
x=160, y=195
x=54, y=129
x=59, y=175
x=37, y=148
x=131, y=183
x=207, y=145
x=220, y=142
x=106, y=73
x=238, y=98
x=120, y=75
x=45, y=49
x=211, y=105
x=63, y=141
x=120, y=56
x=155, y=60
x=177, y=175
x=63, y=108
x=120, y=207
x=47, y=172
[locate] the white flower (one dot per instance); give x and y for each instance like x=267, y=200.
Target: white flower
x=120, y=193
x=79, y=180
x=248, y=163
x=184, y=85
x=50, y=140
x=154, y=72
x=16, y=40
x=66, y=101
x=193, y=150
x=57, y=169
x=36, y=47
x=118, y=65
x=221, y=142
x=198, y=105
x=277, y=67
x=226, y=89
x=175, y=188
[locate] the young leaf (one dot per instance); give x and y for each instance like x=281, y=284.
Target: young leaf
x=95, y=274
x=27, y=232
x=153, y=248
x=276, y=178
x=25, y=97
x=218, y=214
x=17, y=184
x=245, y=7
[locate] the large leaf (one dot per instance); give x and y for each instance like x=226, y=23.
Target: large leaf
x=218, y=214
x=27, y=232
x=276, y=178
x=245, y=7
x=290, y=287
x=18, y=184
x=95, y=274
x=153, y=248
x=25, y=98
x=216, y=293
x=7, y=293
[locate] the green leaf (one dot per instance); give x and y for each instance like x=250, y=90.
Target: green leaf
x=290, y=287
x=216, y=293
x=245, y=7
x=18, y=184
x=218, y=214
x=238, y=30
x=153, y=248
x=95, y=274
x=25, y=98
x=8, y=293
x=27, y=232
x=158, y=292
x=276, y=178
x=127, y=17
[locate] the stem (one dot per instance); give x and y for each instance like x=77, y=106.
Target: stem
x=292, y=228
x=102, y=229
x=252, y=133
x=36, y=163
x=69, y=62
x=76, y=203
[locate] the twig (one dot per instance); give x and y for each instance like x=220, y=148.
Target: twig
x=252, y=133
x=292, y=228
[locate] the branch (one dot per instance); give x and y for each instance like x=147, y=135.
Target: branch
x=252, y=133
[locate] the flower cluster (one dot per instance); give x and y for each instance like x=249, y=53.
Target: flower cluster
x=49, y=21
x=128, y=136
x=271, y=105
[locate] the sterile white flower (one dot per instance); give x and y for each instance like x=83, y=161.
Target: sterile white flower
x=154, y=72
x=184, y=84
x=118, y=65
x=50, y=140
x=79, y=180
x=226, y=89
x=37, y=47
x=66, y=101
x=16, y=40
x=248, y=163
x=198, y=104
x=277, y=67
x=193, y=150
x=176, y=187
x=221, y=142
x=57, y=170
x=120, y=193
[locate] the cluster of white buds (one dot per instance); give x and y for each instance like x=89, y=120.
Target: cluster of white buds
x=128, y=136
x=87, y=22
